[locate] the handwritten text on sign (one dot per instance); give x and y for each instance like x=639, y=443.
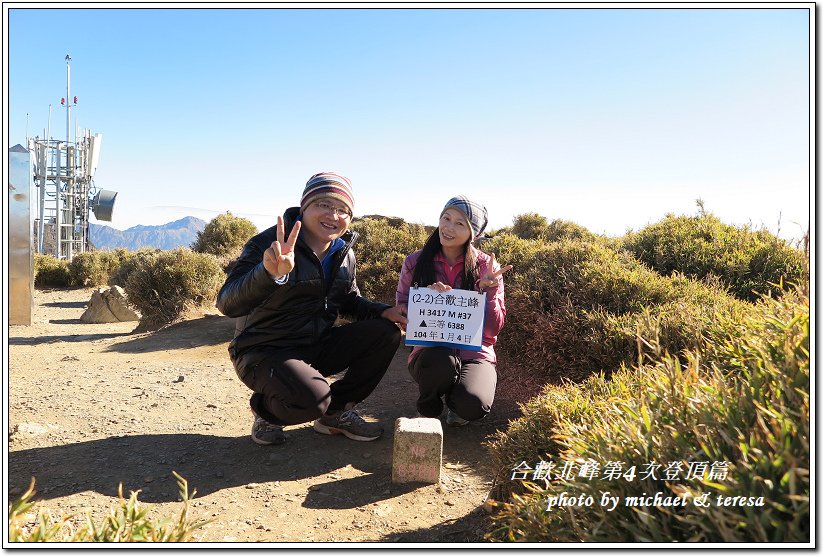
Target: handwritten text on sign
x=454, y=318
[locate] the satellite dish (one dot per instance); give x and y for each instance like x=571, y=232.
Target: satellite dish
x=103, y=204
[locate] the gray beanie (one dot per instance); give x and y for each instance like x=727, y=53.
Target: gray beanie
x=474, y=212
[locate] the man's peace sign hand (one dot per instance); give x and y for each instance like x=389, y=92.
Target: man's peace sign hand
x=492, y=277
x=279, y=258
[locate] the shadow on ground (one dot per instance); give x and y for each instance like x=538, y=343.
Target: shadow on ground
x=209, y=463
x=66, y=305
x=48, y=339
x=208, y=330
x=466, y=529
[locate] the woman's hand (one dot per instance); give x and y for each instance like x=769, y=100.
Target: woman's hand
x=492, y=278
x=440, y=287
x=279, y=258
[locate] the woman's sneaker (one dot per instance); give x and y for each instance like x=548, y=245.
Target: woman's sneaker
x=348, y=423
x=264, y=433
x=453, y=419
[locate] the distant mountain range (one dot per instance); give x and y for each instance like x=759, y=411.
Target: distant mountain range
x=180, y=233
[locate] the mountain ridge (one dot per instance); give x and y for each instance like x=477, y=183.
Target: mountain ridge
x=175, y=234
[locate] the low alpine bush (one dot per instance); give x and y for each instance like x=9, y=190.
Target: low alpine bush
x=129, y=261
x=381, y=249
x=164, y=286
x=723, y=427
x=50, y=272
x=749, y=263
x=224, y=236
x=574, y=307
x=95, y=268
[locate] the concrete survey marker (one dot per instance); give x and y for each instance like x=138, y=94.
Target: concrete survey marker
x=417, y=451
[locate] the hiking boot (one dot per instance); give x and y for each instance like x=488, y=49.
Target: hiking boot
x=453, y=419
x=348, y=423
x=264, y=433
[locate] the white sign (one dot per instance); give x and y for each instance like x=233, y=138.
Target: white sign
x=454, y=318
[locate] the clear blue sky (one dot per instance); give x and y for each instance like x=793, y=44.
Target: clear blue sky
x=609, y=118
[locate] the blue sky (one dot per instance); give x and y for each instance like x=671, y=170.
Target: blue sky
x=610, y=118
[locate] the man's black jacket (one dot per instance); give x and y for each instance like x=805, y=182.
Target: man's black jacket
x=297, y=313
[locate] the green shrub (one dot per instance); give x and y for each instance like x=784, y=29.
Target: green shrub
x=50, y=272
x=589, y=275
x=129, y=261
x=381, y=249
x=224, y=236
x=574, y=308
x=558, y=230
x=530, y=226
x=95, y=268
x=498, y=231
x=129, y=522
x=750, y=263
x=742, y=400
x=164, y=286
x=511, y=249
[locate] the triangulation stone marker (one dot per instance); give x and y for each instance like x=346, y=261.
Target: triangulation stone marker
x=417, y=451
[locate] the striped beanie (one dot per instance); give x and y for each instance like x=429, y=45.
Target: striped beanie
x=475, y=213
x=328, y=184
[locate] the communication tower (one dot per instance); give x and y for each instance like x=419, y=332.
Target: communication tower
x=63, y=173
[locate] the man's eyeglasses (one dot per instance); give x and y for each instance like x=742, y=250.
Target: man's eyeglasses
x=327, y=207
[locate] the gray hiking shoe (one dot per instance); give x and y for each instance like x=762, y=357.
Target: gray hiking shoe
x=348, y=423
x=453, y=419
x=264, y=433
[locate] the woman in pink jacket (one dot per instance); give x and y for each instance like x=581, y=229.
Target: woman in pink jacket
x=464, y=379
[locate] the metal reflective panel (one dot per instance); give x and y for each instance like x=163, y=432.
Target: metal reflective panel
x=21, y=258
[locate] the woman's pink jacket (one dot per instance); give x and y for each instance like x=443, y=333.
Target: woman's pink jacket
x=495, y=307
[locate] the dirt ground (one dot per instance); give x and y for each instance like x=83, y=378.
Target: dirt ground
x=92, y=406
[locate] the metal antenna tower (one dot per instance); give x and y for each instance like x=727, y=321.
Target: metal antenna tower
x=63, y=173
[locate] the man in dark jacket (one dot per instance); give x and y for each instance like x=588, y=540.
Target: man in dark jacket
x=286, y=290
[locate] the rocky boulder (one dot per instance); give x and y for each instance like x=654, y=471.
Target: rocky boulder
x=109, y=305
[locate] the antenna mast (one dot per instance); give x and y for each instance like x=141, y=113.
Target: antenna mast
x=64, y=172
x=70, y=166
